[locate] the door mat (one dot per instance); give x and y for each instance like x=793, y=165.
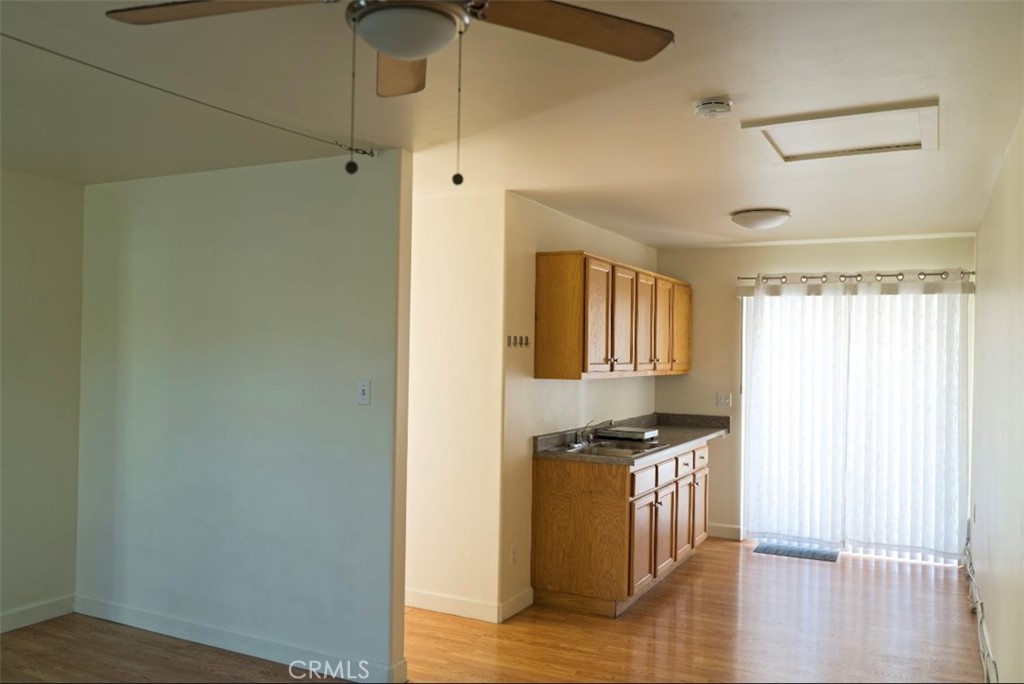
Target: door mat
x=797, y=551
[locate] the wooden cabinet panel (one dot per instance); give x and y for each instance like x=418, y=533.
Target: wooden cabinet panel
x=623, y=318
x=641, y=567
x=700, y=457
x=644, y=480
x=684, y=522
x=686, y=463
x=604, y=534
x=700, y=506
x=666, y=471
x=664, y=526
x=590, y=311
x=662, y=324
x=682, y=298
x=598, y=312
x=645, y=322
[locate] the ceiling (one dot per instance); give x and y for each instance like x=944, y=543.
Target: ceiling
x=609, y=141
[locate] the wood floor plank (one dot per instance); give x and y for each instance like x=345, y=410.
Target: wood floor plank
x=726, y=615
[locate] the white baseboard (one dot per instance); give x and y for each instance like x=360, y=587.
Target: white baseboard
x=36, y=612
x=454, y=605
x=235, y=641
x=724, y=531
x=520, y=601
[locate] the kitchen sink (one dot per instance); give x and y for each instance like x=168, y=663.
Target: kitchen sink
x=615, y=448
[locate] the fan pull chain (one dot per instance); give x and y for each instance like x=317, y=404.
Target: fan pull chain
x=457, y=178
x=351, y=165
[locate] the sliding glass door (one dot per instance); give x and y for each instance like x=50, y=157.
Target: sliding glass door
x=855, y=416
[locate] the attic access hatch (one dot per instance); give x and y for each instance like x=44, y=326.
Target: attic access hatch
x=898, y=127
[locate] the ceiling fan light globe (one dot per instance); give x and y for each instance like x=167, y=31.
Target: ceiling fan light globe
x=408, y=33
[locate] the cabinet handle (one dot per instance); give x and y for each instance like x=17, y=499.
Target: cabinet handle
x=658, y=503
x=657, y=360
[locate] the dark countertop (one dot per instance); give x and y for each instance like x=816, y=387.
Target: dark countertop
x=675, y=437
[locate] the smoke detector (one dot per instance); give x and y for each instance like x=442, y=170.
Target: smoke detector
x=712, y=107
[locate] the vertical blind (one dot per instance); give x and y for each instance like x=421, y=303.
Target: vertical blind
x=855, y=415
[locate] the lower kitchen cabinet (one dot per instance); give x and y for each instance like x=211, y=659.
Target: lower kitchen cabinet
x=643, y=541
x=700, y=507
x=684, y=517
x=604, y=534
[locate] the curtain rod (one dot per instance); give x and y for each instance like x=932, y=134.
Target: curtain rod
x=843, y=277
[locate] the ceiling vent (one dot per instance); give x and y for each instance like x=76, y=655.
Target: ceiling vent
x=894, y=127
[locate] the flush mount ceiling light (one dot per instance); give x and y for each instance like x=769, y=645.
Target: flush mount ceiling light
x=760, y=219
x=407, y=29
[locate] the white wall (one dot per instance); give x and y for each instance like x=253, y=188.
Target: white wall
x=455, y=403
x=532, y=406
x=717, y=330
x=474, y=404
x=231, y=491
x=41, y=335
x=997, y=470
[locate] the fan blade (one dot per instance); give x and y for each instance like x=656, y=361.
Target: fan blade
x=584, y=27
x=194, y=9
x=400, y=77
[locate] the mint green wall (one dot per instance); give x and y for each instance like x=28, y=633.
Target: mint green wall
x=42, y=309
x=231, y=490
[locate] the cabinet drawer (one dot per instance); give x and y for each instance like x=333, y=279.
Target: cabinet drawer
x=644, y=480
x=700, y=456
x=686, y=463
x=666, y=471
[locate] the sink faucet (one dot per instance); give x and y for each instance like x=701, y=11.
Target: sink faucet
x=587, y=432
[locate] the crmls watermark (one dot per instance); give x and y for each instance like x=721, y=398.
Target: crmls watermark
x=321, y=669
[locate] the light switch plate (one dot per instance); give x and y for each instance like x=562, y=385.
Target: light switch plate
x=363, y=392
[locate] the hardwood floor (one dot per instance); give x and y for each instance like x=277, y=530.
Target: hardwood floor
x=726, y=615
x=76, y=648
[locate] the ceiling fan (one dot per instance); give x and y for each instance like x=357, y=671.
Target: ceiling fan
x=406, y=32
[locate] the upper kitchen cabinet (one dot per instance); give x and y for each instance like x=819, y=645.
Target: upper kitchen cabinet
x=596, y=318
x=682, y=297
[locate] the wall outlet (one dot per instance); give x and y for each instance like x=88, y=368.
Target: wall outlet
x=514, y=555
x=363, y=392
x=723, y=400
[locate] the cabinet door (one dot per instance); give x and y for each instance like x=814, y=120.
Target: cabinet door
x=641, y=566
x=682, y=298
x=662, y=324
x=598, y=314
x=700, y=506
x=623, y=317
x=645, y=322
x=684, y=522
x=664, y=525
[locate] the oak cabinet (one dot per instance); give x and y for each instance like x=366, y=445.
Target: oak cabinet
x=664, y=529
x=700, y=507
x=684, y=517
x=682, y=298
x=645, y=322
x=604, y=534
x=642, y=543
x=662, y=324
x=596, y=318
x=623, y=318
